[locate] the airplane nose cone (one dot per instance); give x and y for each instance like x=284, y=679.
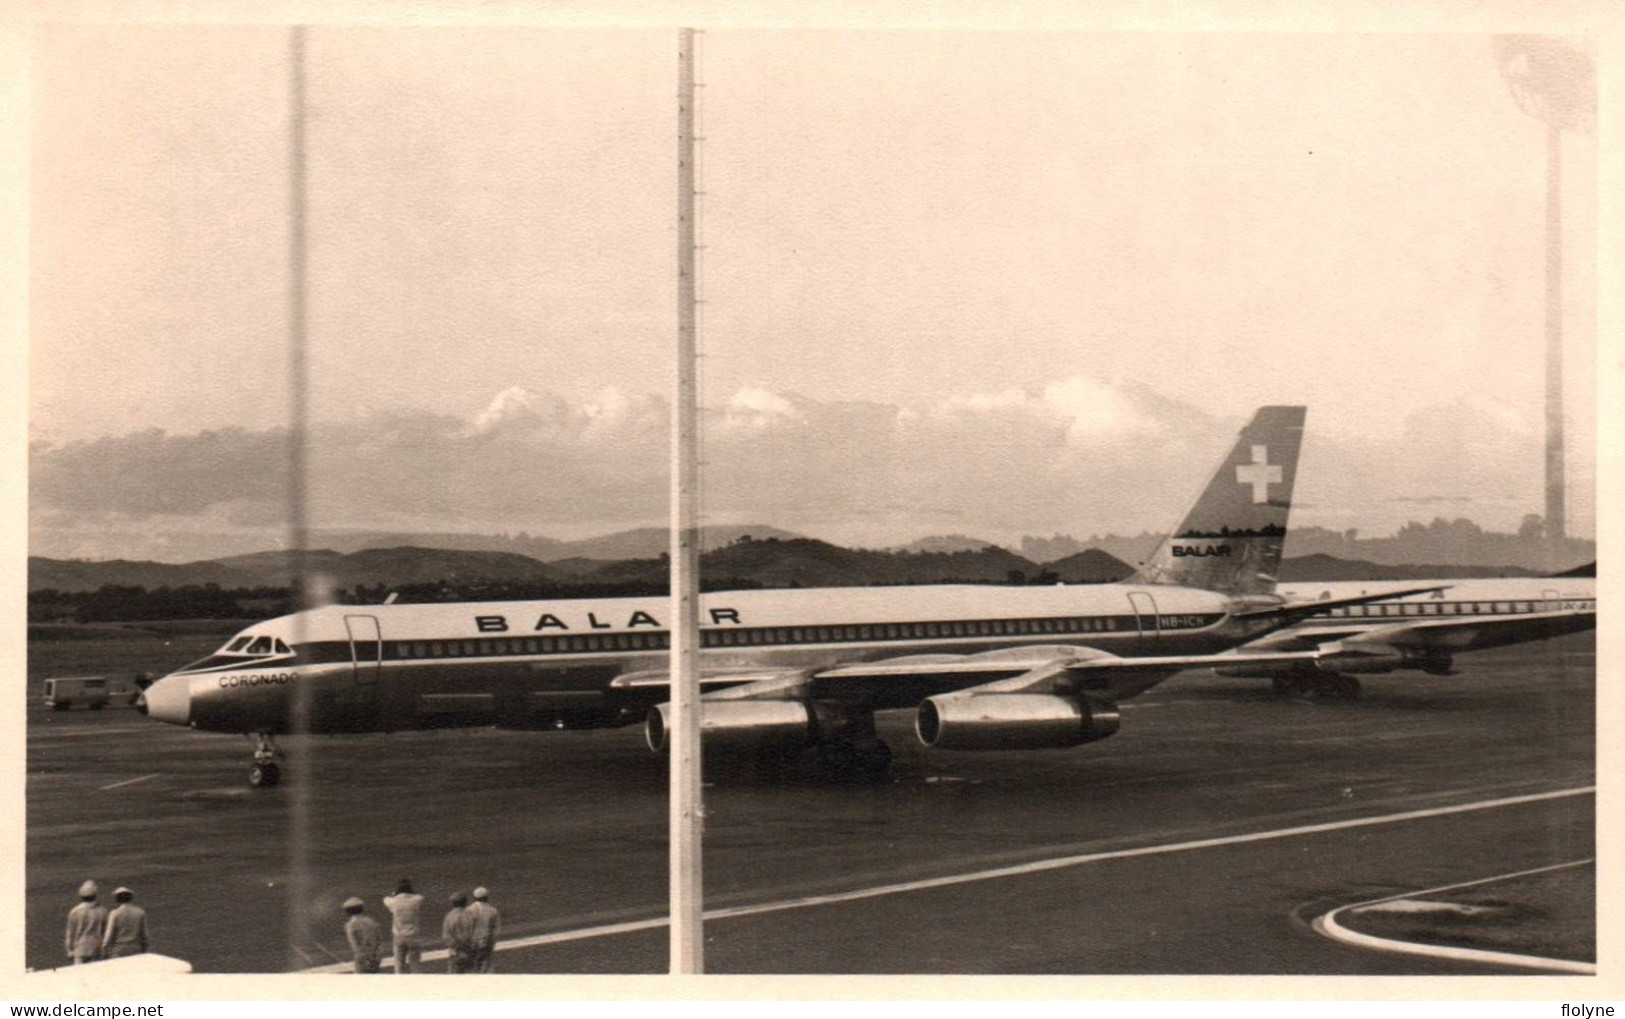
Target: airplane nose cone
x=168, y=700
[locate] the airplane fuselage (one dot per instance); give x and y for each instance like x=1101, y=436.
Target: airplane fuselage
x=577, y=663
x=1525, y=608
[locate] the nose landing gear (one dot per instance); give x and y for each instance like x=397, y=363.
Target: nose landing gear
x=265, y=771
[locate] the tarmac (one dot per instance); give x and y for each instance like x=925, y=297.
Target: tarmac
x=1204, y=838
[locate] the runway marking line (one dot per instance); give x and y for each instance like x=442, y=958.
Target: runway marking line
x=1015, y=870
x=91, y=730
x=1326, y=924
x=129, y=781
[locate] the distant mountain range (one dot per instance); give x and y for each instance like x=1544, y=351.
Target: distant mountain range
x=638, y=543
x=1449, y=543
x=769, y=561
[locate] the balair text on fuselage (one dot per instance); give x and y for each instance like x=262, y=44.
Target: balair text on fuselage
x=550, y=621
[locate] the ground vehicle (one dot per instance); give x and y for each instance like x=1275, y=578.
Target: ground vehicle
x=94, y=692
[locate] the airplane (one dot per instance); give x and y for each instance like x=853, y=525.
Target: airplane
x=984, y=667
x=1416, y=630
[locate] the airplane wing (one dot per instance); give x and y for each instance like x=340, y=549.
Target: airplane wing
x=1013, y=698
x=1292, y=611
x=904, y=681
x=1446, y=634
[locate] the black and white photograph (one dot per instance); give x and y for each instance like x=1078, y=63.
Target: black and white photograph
x=889, y=495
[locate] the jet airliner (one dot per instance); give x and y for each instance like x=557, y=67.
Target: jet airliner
x=1415, y=630
x=983, y=667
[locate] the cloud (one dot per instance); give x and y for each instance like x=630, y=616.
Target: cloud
x=1079, y=455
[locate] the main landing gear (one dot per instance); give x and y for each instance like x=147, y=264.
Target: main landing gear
x=864, y=759
x=265, y=771
x=851, y=750
x=1329, y=685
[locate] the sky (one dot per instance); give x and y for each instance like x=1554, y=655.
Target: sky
x=994, y=283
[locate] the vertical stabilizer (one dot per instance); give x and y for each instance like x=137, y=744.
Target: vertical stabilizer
x=1232, y=538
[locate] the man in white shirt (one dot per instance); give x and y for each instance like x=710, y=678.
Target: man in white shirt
x=404, y=906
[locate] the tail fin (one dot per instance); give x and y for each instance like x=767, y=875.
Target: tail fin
x=1232, y=538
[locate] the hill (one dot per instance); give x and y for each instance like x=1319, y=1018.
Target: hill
x=86, y=575
x=388, y=566
x=392, y=566
x=1325, y=567
x=807, y=562
x=946, y=543
x=750, y=561
x=1091, y=566
x=652, y=542
x=535, y=546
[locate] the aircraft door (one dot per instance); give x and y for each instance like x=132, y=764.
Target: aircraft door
x=357, y=703
x=1553, y=600
x=1145, y=616
x=366, y=647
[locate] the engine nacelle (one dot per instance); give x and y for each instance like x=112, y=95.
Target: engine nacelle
x=1359, y=657
x=1012, y=721
x=1262, y=670
x=760, y=723
x=1351, y=659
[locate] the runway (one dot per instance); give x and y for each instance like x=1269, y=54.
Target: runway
x=568, y=830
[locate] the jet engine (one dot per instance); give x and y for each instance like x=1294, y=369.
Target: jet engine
x=1012, y=721
x=757, y=723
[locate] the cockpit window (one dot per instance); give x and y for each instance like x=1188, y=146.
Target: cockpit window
x=261, y=646
x=238, y=644
x=281, y=648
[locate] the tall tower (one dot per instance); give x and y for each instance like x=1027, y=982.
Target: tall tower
x=1553, y=82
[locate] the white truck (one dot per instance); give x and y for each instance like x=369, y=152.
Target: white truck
x=94, y=692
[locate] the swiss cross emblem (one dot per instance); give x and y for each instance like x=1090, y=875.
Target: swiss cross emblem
x=1260, y=474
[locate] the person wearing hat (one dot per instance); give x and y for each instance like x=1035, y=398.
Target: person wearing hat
x=362, y=933
x=87, y=922
x=404, y=906
x=485, y=920
x=457, y=930
x=126, y=932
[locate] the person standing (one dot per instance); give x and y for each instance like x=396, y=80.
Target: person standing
x=361, y=932
x=126, y=932
x=404, y=907
x=457, y=930
x=485, y=921
x=87, y=922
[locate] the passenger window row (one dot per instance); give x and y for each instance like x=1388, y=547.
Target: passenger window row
x=755, y=637
x=1450, y=608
